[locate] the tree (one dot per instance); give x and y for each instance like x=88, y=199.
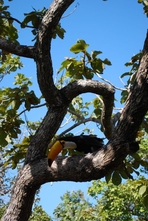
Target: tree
x=108, y=202
x=120, y=130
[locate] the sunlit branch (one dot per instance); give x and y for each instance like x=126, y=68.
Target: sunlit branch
x=78, y=87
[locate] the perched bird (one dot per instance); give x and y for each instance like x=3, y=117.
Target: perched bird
x=82, y=143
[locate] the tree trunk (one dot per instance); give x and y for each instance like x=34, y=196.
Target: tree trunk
x=22, y=199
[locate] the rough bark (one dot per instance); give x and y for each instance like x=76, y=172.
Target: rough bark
x=137, y=102
x=21, y=50
x=35, y=172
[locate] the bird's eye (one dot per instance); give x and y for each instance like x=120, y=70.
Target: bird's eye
x=62, y=142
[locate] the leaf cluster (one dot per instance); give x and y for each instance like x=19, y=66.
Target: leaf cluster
x=123, y=202
x=12, y=100
x=86, y=66
x=145, y=6
x=133, y=64
x=8, y=30
x=74, y=207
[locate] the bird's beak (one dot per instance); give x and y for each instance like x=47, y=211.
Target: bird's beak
x=54, y=151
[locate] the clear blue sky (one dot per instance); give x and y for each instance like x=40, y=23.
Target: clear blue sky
x=117, y=28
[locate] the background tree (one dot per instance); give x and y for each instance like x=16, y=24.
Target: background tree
x=120, y=130
x=108, y=202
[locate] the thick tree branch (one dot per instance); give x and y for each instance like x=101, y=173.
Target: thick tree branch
x=106, y=91
x=50, y=124
x=58, y=104
x=136, y=104
x=76, y=168
x=20, y=50
x=43, y=59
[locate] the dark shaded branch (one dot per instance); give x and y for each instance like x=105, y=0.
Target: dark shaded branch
x=136, y=104
x=32, y=107
x=20, y=50
x=50, y=124
x=15, y=19
x=106, y=91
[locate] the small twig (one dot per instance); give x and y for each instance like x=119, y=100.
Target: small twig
x=100, y=99
x=67, y=121
x=78, y=132
x=30, y=26
x=122, y=81
x=29, y=130
x=93, y=119
x=71, y=12
x=76, y=114
x=118, y=88
x=14, y=19
x=37, y=106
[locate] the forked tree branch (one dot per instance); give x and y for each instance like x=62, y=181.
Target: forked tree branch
x=106, y=91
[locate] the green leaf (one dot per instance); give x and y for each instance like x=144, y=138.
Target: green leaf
x=145, y=3
x=3, y=136
x=107, y=62
x=116, y=178
x=108, y=177
x=97, y=65
x=80, y=46
x=64, y=64
x=145, y=201
x=95, y=54
x=27, y=105
x=59, y=32
x=32, y=98
x=142, y=190
x=123, y=173
x=135, y=164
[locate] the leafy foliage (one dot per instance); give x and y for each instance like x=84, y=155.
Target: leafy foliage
x=35, y=17
x=108, y=202
x=8, y=31
x=145, y=6
x=74, y=207
x=121, y=202
x=130, y=75
x=11, y=99
x=39, y=214
x=84, y=68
